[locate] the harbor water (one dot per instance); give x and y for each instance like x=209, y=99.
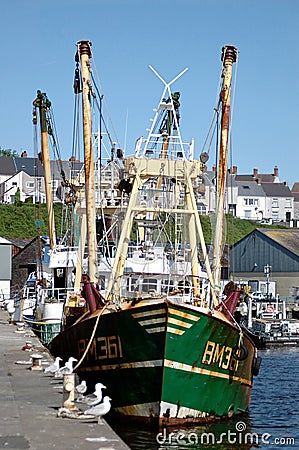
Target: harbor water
x=271, y=424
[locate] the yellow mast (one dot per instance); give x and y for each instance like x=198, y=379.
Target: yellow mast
x=84, y=53
x=43, y=104
x=229, y=56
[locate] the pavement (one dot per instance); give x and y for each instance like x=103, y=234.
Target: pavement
x=31, y=400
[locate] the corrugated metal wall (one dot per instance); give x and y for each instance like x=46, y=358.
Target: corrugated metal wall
x=256, y=250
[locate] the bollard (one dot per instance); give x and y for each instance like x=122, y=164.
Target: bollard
x=36, y=362
x=69, y=391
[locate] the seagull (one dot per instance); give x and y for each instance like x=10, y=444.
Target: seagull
x=53, y=368
x=82, y=387
x=101, y=409
x=95, y=398
x=67, y=369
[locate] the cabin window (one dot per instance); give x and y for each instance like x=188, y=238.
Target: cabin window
x=101, y=282
x=167, y=285
x=149, y=285
x=132, y=284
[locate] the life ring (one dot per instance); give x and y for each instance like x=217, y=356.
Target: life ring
x=270, y=309
x=240, y=352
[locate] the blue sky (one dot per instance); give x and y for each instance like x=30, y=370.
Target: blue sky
x=38, y=47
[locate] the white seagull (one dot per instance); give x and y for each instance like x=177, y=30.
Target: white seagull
x=101, y=409
x=53, y=368
x=95, y=398
x=67, y=369
x=82, y=387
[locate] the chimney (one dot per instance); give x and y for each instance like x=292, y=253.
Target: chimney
x=214, y=168
x=72, y=159
x=235, y=169
x=24, y=154
x=255, y=172
x=276, y=171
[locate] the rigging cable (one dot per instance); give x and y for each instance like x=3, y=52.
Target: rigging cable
x=105, y=103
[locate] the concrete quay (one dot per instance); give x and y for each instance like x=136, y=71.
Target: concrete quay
x=31, y=399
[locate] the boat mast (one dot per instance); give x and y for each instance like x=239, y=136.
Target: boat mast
x=43, y=104
x=84, y=53
x=229, y=56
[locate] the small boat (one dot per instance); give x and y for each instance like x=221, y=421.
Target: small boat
x=267, y=320
x=159, y=333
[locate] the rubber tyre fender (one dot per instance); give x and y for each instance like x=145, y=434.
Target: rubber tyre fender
x=256, y=363
x=243, y=352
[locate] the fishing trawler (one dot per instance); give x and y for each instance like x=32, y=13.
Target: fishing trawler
x=159, y=333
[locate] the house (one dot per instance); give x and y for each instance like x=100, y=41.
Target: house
x=208, y=197
x=18, y=244
x=258, y=177
x=7, y=170
x=261, y=196
x=27, y=175
x=60, y=171
x=251, y=200
x=24, y=262
x=295, y=192
x=279, y=202
x=28, y=186
x=277, y=248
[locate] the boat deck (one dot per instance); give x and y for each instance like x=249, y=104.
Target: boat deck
x=30, y=400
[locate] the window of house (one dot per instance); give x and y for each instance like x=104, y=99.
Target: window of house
x=30, y=184
x=275, y=217
x=247, y=214
x=288, y=203
x=251, y=201
x=14, y=183
x=202, y=209
x=275, y=203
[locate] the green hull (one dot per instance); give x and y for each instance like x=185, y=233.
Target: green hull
x=47, y=332
x=162, y=361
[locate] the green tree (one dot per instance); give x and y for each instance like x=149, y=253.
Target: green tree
x=18, y=197
x=8, y=152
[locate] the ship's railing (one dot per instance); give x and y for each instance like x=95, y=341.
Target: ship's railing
x=5, y=299
x=57, y=295
x=178, y=288
x=152, y=148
